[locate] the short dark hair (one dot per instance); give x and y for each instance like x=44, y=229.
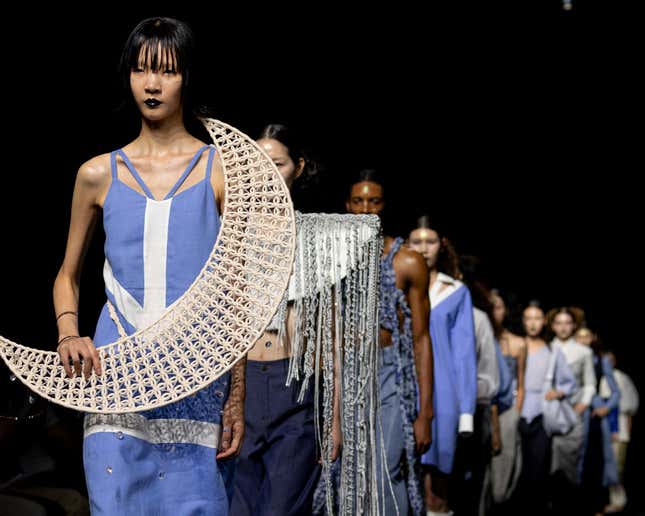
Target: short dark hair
x=369, y=175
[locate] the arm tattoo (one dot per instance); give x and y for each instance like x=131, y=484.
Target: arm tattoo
x=237, y=393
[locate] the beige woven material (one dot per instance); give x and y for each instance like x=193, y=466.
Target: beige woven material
x=217, y=320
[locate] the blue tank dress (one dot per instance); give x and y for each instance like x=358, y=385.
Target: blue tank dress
x=160, y=461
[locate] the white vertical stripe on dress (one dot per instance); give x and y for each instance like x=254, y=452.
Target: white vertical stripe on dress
x=155, y=247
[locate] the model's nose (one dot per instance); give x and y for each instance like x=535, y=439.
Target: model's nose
x=152, y=84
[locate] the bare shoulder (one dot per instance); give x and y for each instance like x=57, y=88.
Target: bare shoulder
x=95, y=172
x=411, y=264
x=217, y=176
x=217, y=171
x=517, y=344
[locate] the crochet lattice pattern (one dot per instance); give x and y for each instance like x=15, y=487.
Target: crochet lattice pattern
x=217, y=320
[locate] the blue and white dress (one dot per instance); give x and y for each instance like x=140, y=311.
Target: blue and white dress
x=452, y=329
x=160, y=461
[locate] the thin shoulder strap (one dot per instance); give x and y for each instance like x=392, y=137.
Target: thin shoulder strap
x=188, y=170
x=396, y=245
x=209, y=163
x=135, y=174
x=113, y=165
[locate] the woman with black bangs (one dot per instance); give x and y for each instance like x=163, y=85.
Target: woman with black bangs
x=160, y=197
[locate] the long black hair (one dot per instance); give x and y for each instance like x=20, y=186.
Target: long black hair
x=514, y=310
x=305, y=185
x=479, y=293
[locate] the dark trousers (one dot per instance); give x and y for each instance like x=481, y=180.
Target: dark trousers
x=277, y=470
x=533, y=490
x=472, y=457
x=594, y=494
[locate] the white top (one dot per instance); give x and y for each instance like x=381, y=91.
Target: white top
x=487, y=367
x=441, y=289
x=628, y=401
x=580, y=360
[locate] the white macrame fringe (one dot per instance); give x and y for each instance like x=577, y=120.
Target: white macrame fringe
x=334, y=293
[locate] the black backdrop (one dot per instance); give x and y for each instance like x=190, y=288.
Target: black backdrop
x=516, y=123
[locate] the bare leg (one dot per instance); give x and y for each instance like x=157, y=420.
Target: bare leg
x=436, y=491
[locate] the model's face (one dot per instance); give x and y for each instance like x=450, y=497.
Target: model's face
x=563, y=326
x=427, y=243
x=365, y=197
x=499, y=309
x=279, y=154
x=533, y=320
x=157, y=94
x=584, y=336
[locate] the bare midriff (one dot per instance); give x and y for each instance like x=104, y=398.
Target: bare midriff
x=268, y=348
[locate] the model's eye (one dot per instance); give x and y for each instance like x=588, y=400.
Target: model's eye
x=170, y=71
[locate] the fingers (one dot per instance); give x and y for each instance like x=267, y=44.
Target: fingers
x=225, y=445
x=231, y=440
x=94, y=356
x=226, y=454
x=76, y=360
x=86, y=353
x=79, y=354
x=423, y=446
x=63, y=352
x=335, y=453
x=226, y=437
x=236, y=445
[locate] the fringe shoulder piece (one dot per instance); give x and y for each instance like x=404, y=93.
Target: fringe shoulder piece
x=213, y=324
x=334, y=295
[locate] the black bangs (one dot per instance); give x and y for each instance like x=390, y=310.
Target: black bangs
x=156, y=56
x=158, y=44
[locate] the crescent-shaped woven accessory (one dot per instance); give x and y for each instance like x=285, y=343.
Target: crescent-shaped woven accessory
x=213, y=324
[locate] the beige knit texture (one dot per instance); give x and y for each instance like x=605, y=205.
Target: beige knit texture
x=213, y=324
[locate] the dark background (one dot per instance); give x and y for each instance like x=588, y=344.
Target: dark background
x=517, y=125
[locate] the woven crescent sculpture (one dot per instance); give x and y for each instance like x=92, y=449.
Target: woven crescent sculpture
x=216, y=321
